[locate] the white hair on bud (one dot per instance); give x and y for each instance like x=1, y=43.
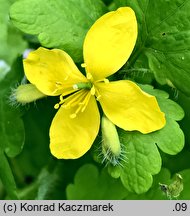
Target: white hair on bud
x=110, y=158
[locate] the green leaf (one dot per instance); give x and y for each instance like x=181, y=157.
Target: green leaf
x=143, y=161
x=140, y=150
x=154, y=193
x=176, y=162
x=12, y=43
x=7, y=177
x=171, y=109
x=28, y=192
x=185, y=194
x=169, y=139
x=4, y=69
x=11, y=130
x=184, y=101
x=107, y=2
x=11, y=124
x=164, y=177
x=90, y=184
x=164, y=37
x=58, y=23
x=37, y=121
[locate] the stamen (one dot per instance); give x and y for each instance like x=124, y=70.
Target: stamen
x=85, y=103
x=81, y=106
x=83, y=65
x=103, y=80
x=68, y=91
x=56, y=106
x=58, y=87
x=76, y=112
x=92, y=90
x=89, y=76
x=80, y=99
x=106, y=80
x=62, y=100
x=98, y=95
x=63, y=88
x=74, y=99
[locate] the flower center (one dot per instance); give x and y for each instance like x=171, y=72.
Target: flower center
x=82, y=85
x=80, y=94
x=79, y=101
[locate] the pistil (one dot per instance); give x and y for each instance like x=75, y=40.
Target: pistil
x=82, y=85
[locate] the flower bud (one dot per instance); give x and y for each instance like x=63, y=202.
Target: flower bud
x=111, y=147
x=25, y=94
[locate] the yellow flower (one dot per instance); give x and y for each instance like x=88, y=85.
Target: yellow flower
x=107, y=46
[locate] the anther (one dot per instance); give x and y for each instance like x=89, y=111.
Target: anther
x=98, y=97
x=106, y=80
x=61, y=98
x=89, y=76
x=92, y=90
x=56, y=106
x=83, y=65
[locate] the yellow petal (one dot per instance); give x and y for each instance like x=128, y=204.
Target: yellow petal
x=128, y=107
x=71, y=138
x=51, y=71
x=109, y=42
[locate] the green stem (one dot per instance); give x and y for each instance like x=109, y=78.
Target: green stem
x=133, y=58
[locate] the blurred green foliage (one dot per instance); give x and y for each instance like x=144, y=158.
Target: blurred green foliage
x=160, y=59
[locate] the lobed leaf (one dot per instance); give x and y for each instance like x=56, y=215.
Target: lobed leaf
x=95, y=185
x=164, y=177
x=164, y=38
x=58, y=23
x=143, y=161
x=7, y=177
x=11, y=131
x=154, y=193
x=185, y=194
x=12, y=43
